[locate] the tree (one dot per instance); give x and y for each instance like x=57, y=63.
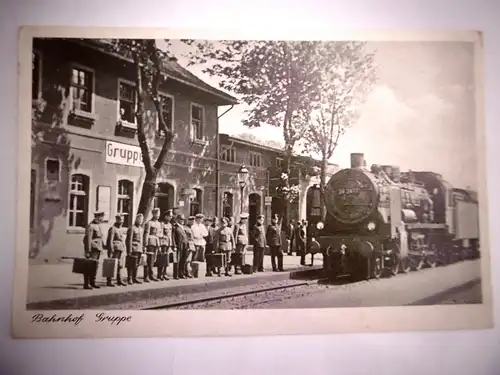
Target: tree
x=148, y=75
x=278, y=80
x=347, y=76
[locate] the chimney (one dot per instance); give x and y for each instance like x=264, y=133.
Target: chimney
x=396, y=173
x=357, y=160
x=387, y=170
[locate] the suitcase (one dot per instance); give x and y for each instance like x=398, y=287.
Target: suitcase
x=247, y=269
x=85, y=266
x=172, y=257
x=109, y=267
x=161, y=260
x=143, y=260
x=195, y=269
x=218, y=260
x=199, y=256
x=131, y=261
x=237, y=259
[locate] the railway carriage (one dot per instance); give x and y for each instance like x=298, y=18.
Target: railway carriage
x=381, y=221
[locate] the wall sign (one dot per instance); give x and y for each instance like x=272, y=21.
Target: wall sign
x=120, y=153
x=103, y=202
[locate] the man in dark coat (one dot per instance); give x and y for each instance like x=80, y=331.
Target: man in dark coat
x=273, y=240
x=300, y=240
x=181, y=243
x=259, y=244
x=290, y=237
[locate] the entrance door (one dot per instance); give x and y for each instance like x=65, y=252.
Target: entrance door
x=164, y=197
x=253, y=209
x=313, y=205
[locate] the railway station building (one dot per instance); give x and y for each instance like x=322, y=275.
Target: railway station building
x=86, y=156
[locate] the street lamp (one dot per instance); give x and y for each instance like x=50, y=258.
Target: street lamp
x=242, y=181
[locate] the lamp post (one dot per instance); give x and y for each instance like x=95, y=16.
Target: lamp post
x=242, y=181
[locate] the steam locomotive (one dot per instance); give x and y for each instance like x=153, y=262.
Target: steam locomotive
x=382, y=221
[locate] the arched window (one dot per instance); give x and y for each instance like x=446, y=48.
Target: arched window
x=195, y=204
x=227, y=205
x=125, y=199
x=78, y=201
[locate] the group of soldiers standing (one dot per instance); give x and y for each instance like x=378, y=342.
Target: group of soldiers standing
x=172, y=239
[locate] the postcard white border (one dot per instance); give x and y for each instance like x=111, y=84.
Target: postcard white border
x=197, y=323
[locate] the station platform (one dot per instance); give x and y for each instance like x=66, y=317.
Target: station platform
x=55, y=286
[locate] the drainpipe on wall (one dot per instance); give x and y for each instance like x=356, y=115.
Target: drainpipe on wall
x=217, y=165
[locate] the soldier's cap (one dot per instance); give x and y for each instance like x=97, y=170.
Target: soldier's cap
x=224, y=220
x=168, y=212
x=275, y=216
x=260, y=217
x=155, y=210
x=119, y=216
x=98, y=213
x=207, y=218
x=180, y=217
x=244, y=215
x=191, y=218
x=199, y=216
x=175, y=208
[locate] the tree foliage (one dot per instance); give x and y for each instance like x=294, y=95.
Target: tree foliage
x=149, y=75
x=347, y=76
x=265, y=142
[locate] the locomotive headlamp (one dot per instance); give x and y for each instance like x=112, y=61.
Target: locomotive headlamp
x=320, y=225
x=371, y=225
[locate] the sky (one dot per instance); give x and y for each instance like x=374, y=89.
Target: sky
x=420, y=115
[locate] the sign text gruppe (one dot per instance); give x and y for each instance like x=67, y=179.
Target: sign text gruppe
x=120, y=153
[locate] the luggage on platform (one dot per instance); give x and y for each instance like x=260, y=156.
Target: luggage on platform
x=198, y=256
x=247, y=269
x=109, y=267
x=131, y=261
x=85, y=266
x=218, y=260
x=161, y=260
x=173, y=257
x=237, y=259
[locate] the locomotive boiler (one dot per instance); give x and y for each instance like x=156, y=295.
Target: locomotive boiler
x=381, y=221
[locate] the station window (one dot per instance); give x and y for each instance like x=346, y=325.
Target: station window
x=78, y=201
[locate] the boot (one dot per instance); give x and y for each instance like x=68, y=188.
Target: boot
x=129, y=276
x=227, y=272
x=135, y=280
x=280, y=263
x=159, y=273
x=109, y=282
x=146, y=275
x=86, y=282
x=176, y=271
x=273, y=263
x=150, y=274
x=164, y=274
x=93, y=284
x=119, y=280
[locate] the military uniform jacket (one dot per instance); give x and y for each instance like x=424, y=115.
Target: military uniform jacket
x=116, y=239
x=258, y=236
x=152, y=233
x=273, y=237
x=212, y=233
x=180, y=237
x=190, y=238
x=134, y=239
x=224, y=239
x=93, y=239
x=240, y=234
x=167, y=237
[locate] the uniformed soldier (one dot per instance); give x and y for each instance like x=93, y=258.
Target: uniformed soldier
x=200, y=232
x=300, y=240
x=152, y=233
x=259, y=244
x=116, y=248
x=273, y=239
x=93, y=246
x=240, y=234
x=290, y=237
x=224, y=241
x=191, y=247
x=167, y=242
x=134, y=242
x=181, y=243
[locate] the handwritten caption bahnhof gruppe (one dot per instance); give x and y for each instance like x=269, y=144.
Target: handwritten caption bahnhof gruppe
x=75, y=319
